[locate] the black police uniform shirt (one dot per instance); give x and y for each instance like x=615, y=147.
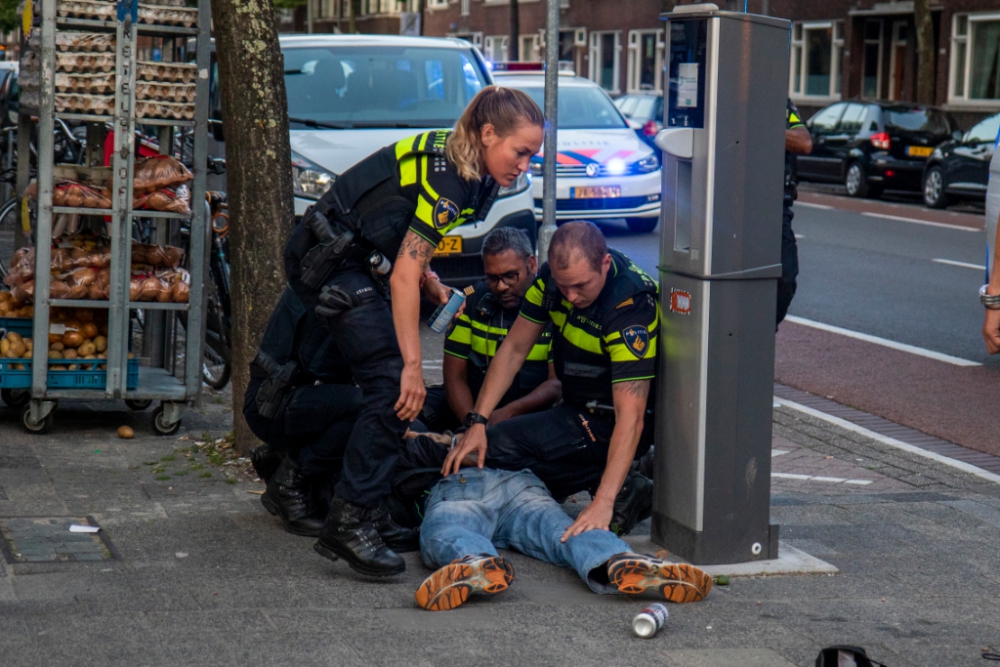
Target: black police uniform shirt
x=792, y=121
x=476, y=335
x=612, y=340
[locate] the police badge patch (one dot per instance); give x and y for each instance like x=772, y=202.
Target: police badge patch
x=636, y=339
x=445, y=213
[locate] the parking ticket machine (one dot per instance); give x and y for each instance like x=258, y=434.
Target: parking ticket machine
x=720, y=259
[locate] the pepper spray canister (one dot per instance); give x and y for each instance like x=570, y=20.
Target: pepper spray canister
x=445, y=313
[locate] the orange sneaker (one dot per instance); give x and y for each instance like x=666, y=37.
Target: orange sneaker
x=679, y=582
x=452, y=585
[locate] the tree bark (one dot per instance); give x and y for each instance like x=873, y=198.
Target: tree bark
x=926, y=61
x=258, y=172
x=515, y=33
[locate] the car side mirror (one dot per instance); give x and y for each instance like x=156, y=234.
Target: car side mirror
x=957, y=135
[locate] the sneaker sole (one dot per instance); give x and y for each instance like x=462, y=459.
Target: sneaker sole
x=452, y=585
x=678, y=582
x=327, y=552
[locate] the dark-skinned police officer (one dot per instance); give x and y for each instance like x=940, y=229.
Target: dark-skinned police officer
x=390, y=211
x=797, y=142
x=605, y=323
x=301, y=401
x=491, y=306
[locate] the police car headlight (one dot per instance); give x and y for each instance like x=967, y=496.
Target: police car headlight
x=520, y=184
x=310, y=180
x=616, y=166
x=648, y=164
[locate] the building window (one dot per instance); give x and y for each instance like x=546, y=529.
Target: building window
x=437, y=3
x=605, y=60
x=645, y=60
x=871, y=84
x=815, y=66
x=465, y=8
x=495, y=48
x=975, y=57
x=528, y=50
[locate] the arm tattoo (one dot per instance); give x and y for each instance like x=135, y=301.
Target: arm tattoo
x=637, y=388
x=417, y=248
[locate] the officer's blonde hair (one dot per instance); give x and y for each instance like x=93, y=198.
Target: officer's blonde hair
x=503, y=108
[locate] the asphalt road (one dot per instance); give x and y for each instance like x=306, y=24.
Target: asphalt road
x=865, y=270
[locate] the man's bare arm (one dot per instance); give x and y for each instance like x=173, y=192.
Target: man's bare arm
x=798, y=141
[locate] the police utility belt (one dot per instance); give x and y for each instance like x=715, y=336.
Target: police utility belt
x=275, y=391
x=335, y=243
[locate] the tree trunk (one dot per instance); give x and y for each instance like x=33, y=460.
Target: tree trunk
x=925, y=51
x=515, y=32
x=258, y=171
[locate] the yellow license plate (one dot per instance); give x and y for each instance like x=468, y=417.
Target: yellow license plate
x=919, y=151
x=450, y=245
x=595, y=192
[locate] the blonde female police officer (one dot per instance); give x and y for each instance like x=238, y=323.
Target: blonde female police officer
x=395, y=206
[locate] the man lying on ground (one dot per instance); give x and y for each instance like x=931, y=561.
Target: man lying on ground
x=467, y=516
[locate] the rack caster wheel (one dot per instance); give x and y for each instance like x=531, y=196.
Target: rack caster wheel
x=136, y=405
x=15, y=398
x=39, y=428
x=160, y=424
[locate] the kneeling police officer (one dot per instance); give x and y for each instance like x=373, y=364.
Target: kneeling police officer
x=302, y=402
x=371, y=236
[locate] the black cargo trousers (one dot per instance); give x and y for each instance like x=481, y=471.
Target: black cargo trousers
x=565, y=446
x=788, y=283
x=366, y=337
x=314, y=426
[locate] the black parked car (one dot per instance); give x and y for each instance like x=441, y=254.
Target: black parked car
x=874, y=146
x=960, y=169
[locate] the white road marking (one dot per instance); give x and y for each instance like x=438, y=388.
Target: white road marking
x=811, y=205
x=813, y=478
x=892, y=442
x=964, y=265
x=903, y=347
x=778, y=452
x=799, y=236
x=921, y=222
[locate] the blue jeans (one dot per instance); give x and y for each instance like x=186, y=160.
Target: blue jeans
x=476, y=511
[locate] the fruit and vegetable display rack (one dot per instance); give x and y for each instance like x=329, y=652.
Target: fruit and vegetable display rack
x=97, y=314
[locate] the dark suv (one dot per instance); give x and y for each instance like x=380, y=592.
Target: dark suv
x=874, y=146
x=960, y=169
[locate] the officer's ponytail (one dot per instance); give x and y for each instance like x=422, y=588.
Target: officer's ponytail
x=503, y=108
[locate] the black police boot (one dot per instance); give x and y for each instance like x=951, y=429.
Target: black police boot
x=633, y=504
x=396, y=537
x=289, y=497
x=350, y=534
x=265, y=461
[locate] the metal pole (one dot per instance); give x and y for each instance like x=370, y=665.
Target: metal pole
x=551, y=129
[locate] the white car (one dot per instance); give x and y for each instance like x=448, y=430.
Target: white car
x=350, y=95
x=603, y=171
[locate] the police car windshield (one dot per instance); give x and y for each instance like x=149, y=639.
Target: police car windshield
x=580, y=107
x=341, y=87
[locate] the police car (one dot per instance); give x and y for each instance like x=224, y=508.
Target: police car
x=350, y=95
x=603, y=169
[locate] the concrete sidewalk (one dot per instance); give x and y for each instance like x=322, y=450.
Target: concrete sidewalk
x=188, y=568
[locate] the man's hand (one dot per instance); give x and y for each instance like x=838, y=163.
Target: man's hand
x=434, y=290
x=474, y=441
x=411, y=393
x=596, y=516
x=991, y=331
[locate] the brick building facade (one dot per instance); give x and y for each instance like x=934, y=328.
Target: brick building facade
x=840, y=49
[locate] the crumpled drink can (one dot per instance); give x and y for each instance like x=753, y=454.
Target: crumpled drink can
x=650, y=620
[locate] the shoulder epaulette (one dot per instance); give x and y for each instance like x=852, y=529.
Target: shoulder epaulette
x=470, y=290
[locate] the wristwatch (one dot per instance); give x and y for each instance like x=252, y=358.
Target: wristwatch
x=991, y=301
x=474, y=418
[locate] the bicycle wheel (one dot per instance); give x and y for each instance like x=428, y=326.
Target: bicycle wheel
x=216, y=367
x=10, y=220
